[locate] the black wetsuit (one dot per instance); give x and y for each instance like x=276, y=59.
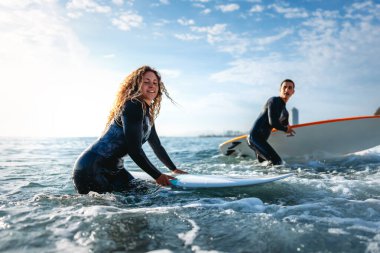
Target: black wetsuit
x=274, y=115
x=100, y=167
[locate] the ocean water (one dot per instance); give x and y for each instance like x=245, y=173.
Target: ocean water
x=327, y=206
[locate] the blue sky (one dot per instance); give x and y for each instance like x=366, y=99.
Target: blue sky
x=62, y=61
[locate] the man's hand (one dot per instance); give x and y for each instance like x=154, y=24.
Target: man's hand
x=290, y=132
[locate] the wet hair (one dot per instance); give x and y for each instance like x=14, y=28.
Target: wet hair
x=288, y=81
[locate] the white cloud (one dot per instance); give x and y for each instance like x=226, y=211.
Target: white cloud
x=366, y=5
x=224, y=41
x=165, y=2
x=366, y=10
x=197, y=5
x=186, y=22
x=128, y=20
x=231, y=43
x=271, y=39
x=87, y=6
x=348, y=45
x=14, y=4
x=213, y=33
x=118, y=2
x=162, y=22
x=201, y=4
x=228, y=7
x=206, y=11
x=74, y=15
x=187, y=37
x=290, y=12
x=257, y=8
x=211, y=30
x=161, y=2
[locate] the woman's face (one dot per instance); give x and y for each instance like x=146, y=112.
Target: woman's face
x=149, y=87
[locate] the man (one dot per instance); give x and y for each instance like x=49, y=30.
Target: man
x=274, y=115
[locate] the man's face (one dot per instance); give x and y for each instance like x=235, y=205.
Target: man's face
x=286, y=90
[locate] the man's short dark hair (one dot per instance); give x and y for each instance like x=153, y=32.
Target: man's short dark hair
x=288, y=81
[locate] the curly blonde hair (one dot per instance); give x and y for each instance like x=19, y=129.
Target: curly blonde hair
x=130, y=89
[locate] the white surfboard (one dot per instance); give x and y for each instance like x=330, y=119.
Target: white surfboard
x=189, y=181
x=319, y=139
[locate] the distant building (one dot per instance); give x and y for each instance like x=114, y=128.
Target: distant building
x=378, y=111
x=229, y=133
x=294, y=116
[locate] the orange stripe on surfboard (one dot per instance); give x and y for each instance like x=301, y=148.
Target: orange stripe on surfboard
x=335, y=120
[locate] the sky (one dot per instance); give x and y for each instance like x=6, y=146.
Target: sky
x=61, y=62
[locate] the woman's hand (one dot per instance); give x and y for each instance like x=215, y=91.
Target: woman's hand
x=164, y=180
x=178, y=171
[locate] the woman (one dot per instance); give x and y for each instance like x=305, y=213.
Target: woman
x=100, y=167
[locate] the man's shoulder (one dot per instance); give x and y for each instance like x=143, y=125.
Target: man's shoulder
x=274, y=99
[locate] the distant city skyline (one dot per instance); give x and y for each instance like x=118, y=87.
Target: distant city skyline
x=62, y=61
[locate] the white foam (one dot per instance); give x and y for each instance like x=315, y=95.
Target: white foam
x=242, y=205
x=246, y=205
x=3, y=224
x=337, y=231
x=189, y=236
x=160, y=251
x=342, y=189
x=298, y=208
x=370, y=200
x=159, y=210
x=197, y=249
x=365, y=226
x=65, y=245
x=105, y=196
x=93, y=211
x=374, y=245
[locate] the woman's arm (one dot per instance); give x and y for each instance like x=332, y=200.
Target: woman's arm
x=132, y=119
x=161, y=153
x=159, y=150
